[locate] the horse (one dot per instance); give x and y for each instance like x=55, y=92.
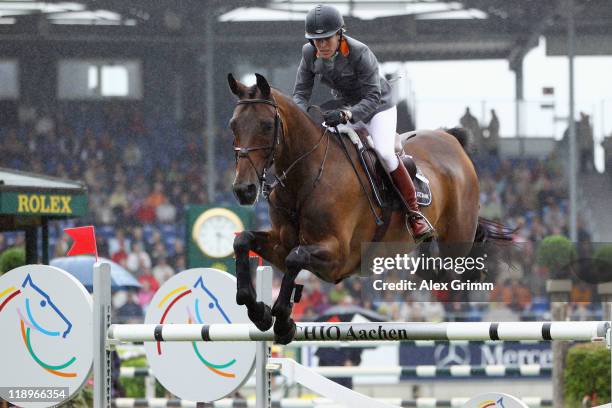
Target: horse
x=319, y=209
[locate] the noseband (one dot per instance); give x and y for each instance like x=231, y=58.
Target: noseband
x=243, y=152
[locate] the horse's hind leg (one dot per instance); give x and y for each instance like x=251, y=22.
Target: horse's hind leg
x=263, y=244
x=321, y=259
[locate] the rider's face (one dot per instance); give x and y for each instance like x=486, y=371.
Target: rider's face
x=327, y=46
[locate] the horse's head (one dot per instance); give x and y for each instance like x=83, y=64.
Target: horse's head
x=256, y=128
x=41, y=312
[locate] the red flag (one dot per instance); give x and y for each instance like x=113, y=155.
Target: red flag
x=84, y=241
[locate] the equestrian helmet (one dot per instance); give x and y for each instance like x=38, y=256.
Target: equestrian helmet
x=323, y=21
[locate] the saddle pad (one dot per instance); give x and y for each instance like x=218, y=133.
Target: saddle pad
x=423, y=192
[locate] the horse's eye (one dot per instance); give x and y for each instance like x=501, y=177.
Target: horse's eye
x=266, y=126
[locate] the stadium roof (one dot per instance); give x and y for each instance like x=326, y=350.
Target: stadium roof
x=396, y=29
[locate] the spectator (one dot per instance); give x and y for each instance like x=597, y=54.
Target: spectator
x=149, y=286
x=118, y=202
x=166, y=213
x=469, y=122
x=606, y=144
x=119, y=243
x=138, y=261
x=15, y=148
x=131, y=311
x=45, y=124
x=138, y=238
x=162, y=271
x=584, y=141
x=180, y=264
x=340, y=356
x=179, y=252
x=158, y=252
x=411, y=312
x=120, y=256
x=339, y=294
x=513, y=294
x=355, y=288
x=91, y=151
x=132, y=155
x=553, y=216
x=117, y=389
x=312, y=299
x=492, y=141
x=581, y=293
x=61, y=246
x=157, y=196
x=491, y=206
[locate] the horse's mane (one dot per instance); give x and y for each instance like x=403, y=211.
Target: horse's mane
x=289, y=101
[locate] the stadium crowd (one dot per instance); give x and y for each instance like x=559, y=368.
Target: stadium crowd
x=142, y=173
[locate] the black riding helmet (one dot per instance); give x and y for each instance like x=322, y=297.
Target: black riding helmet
x=323, y=21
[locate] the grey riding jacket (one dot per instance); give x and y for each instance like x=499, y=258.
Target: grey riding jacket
x=353, y=76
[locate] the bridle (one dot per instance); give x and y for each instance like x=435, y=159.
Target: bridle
x=243, y=152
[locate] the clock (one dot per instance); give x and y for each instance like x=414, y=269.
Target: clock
x=214, y=232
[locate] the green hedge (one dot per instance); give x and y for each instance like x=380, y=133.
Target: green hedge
x=556, y=253
x=587, y=372
x=603, y=254
x=135, y=387
x=11, y=259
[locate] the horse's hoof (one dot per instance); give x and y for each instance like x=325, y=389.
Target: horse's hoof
x=261, y=316
x=284, y=333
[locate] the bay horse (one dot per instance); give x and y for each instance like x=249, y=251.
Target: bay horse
x=319, y=211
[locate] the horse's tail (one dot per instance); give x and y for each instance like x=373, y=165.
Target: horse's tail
x=462, y=136
x=494, y=241
x=489, y=230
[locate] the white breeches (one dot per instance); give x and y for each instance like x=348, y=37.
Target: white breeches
x=382, y=128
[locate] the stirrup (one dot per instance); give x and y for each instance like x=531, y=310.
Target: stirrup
x=427, y=235
x=417, y=214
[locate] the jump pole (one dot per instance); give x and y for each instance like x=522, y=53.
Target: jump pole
x=370, y=331
x=411, y=372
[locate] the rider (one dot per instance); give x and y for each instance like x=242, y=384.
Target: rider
x=351, y=70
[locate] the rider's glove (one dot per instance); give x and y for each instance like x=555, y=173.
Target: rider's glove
x=335, y=117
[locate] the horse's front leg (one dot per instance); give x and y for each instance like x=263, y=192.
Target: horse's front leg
x=322, y=258
x=265, y=244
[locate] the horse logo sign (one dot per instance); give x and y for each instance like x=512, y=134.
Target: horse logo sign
x=46, y=320
x=494, y=400
x=200, y=296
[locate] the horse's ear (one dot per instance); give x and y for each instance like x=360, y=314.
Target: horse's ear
x=263, y=85
x=234, y=85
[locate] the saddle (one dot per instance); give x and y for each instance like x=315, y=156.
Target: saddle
x=382, y=186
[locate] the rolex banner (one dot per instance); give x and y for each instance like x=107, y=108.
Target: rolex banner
x=39, y=203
